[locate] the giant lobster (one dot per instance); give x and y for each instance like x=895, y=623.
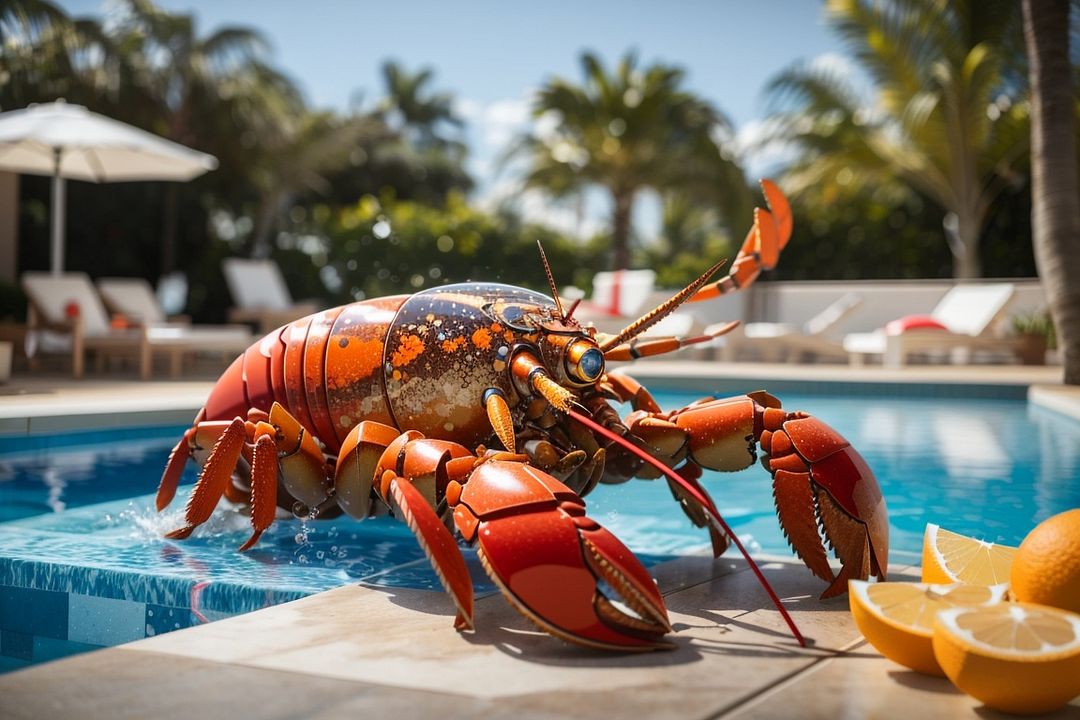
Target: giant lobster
x=485, y=408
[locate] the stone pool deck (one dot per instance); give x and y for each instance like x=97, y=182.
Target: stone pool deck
x=358, y=650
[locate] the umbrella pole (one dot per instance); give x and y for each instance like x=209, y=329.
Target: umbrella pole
x=58, y=202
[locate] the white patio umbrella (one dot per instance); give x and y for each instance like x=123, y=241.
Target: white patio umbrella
x=69, y=141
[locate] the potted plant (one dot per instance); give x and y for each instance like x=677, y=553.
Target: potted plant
x=1034, y=336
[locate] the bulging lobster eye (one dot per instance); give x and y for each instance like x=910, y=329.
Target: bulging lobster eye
x=584, y=361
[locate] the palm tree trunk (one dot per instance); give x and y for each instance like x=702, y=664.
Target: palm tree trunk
x=1055, y=187
x=620, y=236
x=962, y=234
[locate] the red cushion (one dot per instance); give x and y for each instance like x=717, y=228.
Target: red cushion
x=913, y=322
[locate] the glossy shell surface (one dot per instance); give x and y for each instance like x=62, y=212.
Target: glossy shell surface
x=448, y=345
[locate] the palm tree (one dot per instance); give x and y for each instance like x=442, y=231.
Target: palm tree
x=1055, y=188
x=28, y=19
x=188, y=78
x=305, y=149
x=625, y=132
x=948, y=122
x=419, y=111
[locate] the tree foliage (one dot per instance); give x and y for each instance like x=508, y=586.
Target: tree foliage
x=382, y=246
x=626, y=131
x=948, y=122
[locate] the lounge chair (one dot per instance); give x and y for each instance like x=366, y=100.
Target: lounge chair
x=965, y=319
x=787, y=342
x=66, y=315
x=136, y=302
x=260, y=295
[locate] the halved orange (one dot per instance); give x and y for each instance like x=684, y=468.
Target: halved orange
x=1016, y=657
x=897, y=618
x=949, y=557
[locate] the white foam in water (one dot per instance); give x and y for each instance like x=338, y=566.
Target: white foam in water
x=148, y=524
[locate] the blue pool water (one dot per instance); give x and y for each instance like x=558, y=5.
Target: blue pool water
x=83, y=563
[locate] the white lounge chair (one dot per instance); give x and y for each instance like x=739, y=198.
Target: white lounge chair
x=66, y=315
x=787, y=342
x=260, y=294
x=135, y=301
x=968, y=314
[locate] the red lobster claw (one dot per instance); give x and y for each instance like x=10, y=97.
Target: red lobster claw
x=817, y=477
x=556, y=565
x=814, y=466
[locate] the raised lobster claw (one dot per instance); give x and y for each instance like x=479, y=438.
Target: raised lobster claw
x=556, y=565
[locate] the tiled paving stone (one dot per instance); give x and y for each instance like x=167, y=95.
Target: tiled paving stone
x=379, y=651
x=399, y=643
x=862, y=684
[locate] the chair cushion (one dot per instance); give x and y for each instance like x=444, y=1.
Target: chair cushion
x=912, y=322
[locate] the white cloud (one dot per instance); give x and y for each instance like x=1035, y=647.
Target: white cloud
x=491, y=129
x=834, y=63
x=760, y=156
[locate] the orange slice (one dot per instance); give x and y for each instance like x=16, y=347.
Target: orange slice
x=949, y=557
x=897, y=618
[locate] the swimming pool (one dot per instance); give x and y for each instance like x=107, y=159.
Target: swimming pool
x=83, y=563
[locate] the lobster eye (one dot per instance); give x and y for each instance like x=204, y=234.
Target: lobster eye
x=584, y=362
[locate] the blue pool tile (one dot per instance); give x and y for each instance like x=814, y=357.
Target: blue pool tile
x=162, y=619
x=16, y=644
x=104, y=621
x=37, y=612
x=8, y=664
x=52, y=649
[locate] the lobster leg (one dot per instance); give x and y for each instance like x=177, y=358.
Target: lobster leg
x=303, y=465
x=174, y=469
x=639, y=348
x=410, y=474
x=761, y=249
x=264, y=472
x=438, y=545
x=694, y=510
x=213, y=478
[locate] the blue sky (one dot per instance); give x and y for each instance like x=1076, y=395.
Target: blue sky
x=492, y=55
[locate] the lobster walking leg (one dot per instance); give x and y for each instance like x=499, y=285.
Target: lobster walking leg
x=215, y=475
x=264, y=475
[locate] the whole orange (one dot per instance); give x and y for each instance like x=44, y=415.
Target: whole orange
x=1046, y=569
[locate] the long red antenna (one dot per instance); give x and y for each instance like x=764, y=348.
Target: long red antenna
x=593, y=425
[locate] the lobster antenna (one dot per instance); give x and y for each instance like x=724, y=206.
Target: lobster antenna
x=573, y=307
x=551, y=282
x=675, y=477
x=657, y=314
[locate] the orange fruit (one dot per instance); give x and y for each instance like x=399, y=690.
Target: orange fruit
x=949, y=557
x=897, y=618
x=1015, y=657
x=1047, y=565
